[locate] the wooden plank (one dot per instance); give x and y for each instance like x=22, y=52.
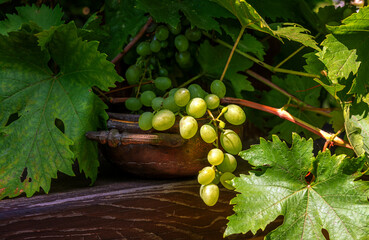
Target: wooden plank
x=135, y=209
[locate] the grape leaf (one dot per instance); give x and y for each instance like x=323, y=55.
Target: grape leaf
x=357, y=126
x=334, y=201
x=345, y=52
x=44, y=17
x=296, y=33
x=201, y=14
x=247, y=15
x=274, y=10
x=315, y=66
x=305, y=90
x=122, y=20
x=4, y=1
x=213, y=59
x=45, y=112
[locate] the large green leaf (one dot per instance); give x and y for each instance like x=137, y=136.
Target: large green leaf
x=357, y=126
x=44, y=17
x=246, y=14
x=334, y=201
x=213, y=60
x=201, y=14
x=47, y=106
x=345, y=51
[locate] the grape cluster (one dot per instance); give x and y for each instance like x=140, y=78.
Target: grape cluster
x=155, y=91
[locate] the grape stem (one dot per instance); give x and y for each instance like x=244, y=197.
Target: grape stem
x=287, y=116
x=300, y=103
x=128, y=87
x=261, y=63
x=133, y=42
x=232, y=51
x=289, y=57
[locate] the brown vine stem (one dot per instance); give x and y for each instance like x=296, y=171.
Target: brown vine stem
x=128, y=87
x=287, y=116
x=118, y=100
x=232, y=51
x=133, y=42
x=299, y=102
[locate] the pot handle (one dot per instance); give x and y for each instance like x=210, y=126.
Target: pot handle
x=113, y=138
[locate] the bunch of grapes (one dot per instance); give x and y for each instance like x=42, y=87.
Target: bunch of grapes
x=155, y=91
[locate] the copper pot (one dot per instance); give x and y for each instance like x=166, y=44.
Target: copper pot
x=152, y=153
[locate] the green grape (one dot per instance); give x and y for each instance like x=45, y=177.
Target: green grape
x=229, y=163
x=184, y=59
x=227, y=176
x=196, y=91
x=145, y=121
x=206, y=175
x=175, y=30
x=157, y=103
x=155, y=46
x=133, y=104
x=172, y=91
x=230, y=141
x=147, y=97
x=346, y=13
x=163, y=120
x=208, y=133
x=196, y=107
x=162, y=83
x=163, y=72
x=169, y=104
x=193, y=35
x=212, y=101
x=143, y=49
x=216, y=178
x=182, y=96
x=162, y=33
x=218, y=88
x=235, y=115
x=188, y=127
x=215, y=156
x=147, y=87
x=181, y=43
x=209, y=194
x=133, y=74
x=164, y=44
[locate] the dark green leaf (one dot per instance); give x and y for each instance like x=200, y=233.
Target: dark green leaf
x=213, y=60
x=357, y=126
x=247, y=15
x=296, y=33
x=43, y=17
x=122, y=20
x=201, y=14
x=307, y=208
x=55, y=108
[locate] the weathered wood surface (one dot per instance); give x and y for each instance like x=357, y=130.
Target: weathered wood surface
x=134, y=209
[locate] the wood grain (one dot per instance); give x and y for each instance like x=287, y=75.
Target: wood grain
x=135, y=209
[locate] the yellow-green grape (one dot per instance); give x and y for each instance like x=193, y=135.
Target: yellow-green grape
x=206, y=175
x=133, y=104
x=147, y=97
x=182, y=97
x=229, y=163
x=163, y=120
x=208, y=133
x=209, y=194
x=227, y=176
x=212, y=101
x=157, y=103
x=188, y=127
x=145, y=121
x=196, y=107
x=230, y=141
x=169, y=104
x=235, y=115
x=215, y=156
x=218, y=88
